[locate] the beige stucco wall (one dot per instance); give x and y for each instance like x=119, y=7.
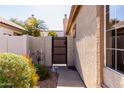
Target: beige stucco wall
x=13, y=44
x=113, y=79
x=86, y=45
x=70, y=51
x=16, y=45
x=36, y=43
x=42, y=44
x=5, y=30
x=48, y=50
x=3, y=44
x=26, y=44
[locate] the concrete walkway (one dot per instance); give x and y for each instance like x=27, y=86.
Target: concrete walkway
x=69, y=78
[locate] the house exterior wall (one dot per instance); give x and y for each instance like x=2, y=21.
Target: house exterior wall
x=90, y=49
x=86, y=45
x=70, y=51
x=88, y=42
x=113, y=79
x=5, y=30
x=9, y=30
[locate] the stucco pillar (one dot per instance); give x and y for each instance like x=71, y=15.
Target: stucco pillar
x=100, y=44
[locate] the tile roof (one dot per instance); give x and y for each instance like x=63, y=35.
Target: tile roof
x=7, y=22
x=120, y=24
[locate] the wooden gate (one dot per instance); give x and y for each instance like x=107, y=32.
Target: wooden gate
x=59, y=50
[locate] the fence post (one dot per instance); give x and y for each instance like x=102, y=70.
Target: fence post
x=48, y=50
x=25, y=44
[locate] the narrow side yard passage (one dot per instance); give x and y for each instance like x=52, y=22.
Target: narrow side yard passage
x=69, y=78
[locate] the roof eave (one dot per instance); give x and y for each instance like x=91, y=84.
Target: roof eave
x=12, y=26
x=73, y=14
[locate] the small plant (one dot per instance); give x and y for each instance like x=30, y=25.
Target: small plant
x=17, y=71
x=52, y=33
x=42, y=71
x=36, y=33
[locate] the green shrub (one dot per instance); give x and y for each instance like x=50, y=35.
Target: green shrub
x=36, y=33
x=34, y=76
x=52, y=33
x=42, y=71
x=16, y=71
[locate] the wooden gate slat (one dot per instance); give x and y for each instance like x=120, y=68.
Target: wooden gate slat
x=59, y=50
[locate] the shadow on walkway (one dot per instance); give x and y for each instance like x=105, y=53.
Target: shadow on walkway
x=69, y=78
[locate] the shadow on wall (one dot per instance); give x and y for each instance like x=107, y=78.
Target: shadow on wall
x=78, y=65
x=38, y=57
x=81, y=62
x=86, y=25
x=86, y=45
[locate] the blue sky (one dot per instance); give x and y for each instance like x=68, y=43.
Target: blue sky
x=52, y=15
x=117, y=11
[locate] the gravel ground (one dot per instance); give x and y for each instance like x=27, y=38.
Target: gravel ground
x=51, y=82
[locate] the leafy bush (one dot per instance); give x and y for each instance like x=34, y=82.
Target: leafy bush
x=52, y=33
x=34, y=76
x=17, y=71
x=36, y=33
x=42, y=71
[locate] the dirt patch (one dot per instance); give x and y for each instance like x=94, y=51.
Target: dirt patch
x=51, y=82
